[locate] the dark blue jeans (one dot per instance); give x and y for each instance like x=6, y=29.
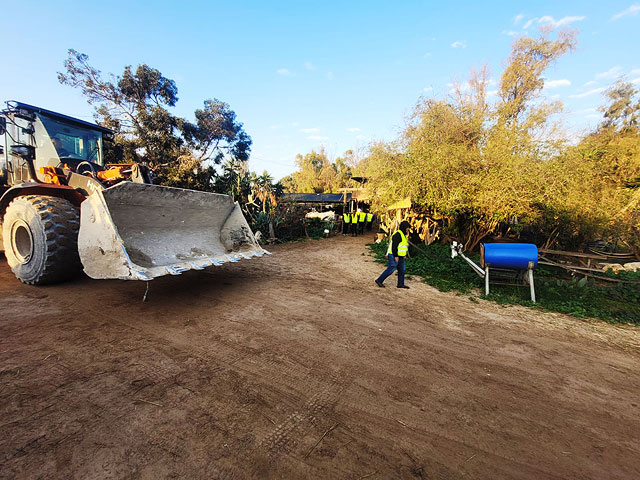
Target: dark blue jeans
x=392, y=265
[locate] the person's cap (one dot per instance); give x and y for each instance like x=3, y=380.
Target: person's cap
x=404, y=225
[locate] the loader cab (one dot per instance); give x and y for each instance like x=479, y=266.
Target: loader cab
x=66, y=142
x=55, y=139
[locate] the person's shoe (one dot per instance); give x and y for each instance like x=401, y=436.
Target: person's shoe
x=402, y=286
x=380, y=284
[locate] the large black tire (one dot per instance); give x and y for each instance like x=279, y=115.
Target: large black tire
x=40, y=237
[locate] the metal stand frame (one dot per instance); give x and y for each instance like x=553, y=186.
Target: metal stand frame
x=456, y=249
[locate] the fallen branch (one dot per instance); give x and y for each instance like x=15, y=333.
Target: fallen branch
x=368, y=475
x=147, y=401
x=268, y=418
x=321, y=438
x=401, y=422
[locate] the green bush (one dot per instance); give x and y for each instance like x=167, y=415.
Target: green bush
x=316, y=227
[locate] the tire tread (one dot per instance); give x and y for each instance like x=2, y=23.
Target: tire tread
x=60, y=219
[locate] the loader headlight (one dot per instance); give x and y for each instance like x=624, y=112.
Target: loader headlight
x=27, y=152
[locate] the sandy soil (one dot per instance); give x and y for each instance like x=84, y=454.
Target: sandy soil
x=297, y=366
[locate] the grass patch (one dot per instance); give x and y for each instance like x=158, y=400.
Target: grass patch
x=556, y=291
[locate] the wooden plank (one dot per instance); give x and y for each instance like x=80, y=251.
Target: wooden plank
x=555, y=264
x=575, y=270
x=572, y=254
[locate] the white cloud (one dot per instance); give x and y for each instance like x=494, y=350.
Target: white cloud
x=511, y=33
x=427, y=55
x=587, y=93
x=632, y=10
x=274, y=127
x=309, y=130
x=492, y=93
x=360, y=137
x=518, y=18
x=427, y=89
x=557, y=83
x=562, y=21
x=593, y=115
x=309, y=66
x=284, y=72
x=612, y=72
x=635, y=71
x=353, y=129
x=330, y=75
x=317, y=137
x=294, y=124
x=635, y=80
x=549, y=20
x=459, y=44
x=590, y=82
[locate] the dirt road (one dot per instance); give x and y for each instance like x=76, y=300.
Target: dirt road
x=298, y=366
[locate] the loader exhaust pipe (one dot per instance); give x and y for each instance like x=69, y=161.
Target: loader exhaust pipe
x=139, y=231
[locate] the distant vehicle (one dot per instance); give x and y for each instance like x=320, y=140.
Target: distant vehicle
x=329, y=216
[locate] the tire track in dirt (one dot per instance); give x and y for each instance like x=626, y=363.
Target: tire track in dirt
x=286, y=435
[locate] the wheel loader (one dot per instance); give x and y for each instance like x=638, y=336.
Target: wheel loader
x=63, y=209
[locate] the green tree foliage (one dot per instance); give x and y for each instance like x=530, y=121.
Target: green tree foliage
x=522, y=80
x=623, y=111
x=482, y=169
x=216, y=133
x=606, y=166
x=474, y=165
x=136, y=106
x=265, y=191
x=317, y=174
x=257, y=194
x=581, y=193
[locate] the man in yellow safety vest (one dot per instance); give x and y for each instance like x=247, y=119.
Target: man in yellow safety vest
x=354, y=224
x=398, y=249
x=361, y=221
x=369, y=221
x=346, y=220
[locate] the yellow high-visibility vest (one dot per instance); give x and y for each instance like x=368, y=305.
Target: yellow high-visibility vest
x=369, y=217
x=361, y=216
x=347, y=218
x=403, y=247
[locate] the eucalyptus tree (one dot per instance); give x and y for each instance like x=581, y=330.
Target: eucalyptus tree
x=136, y=105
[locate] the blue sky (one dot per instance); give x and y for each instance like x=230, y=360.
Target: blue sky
x=302, y=74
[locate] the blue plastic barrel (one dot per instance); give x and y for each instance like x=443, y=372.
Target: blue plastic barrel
x=508, y=255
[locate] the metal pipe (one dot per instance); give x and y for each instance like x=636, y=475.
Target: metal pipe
x=486, y=281
x=456, y=249
x=473, y=265
x=531, y=285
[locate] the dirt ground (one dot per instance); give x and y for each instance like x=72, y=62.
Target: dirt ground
x=298, y=366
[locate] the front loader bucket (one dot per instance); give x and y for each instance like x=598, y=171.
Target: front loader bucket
x=138, y=231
